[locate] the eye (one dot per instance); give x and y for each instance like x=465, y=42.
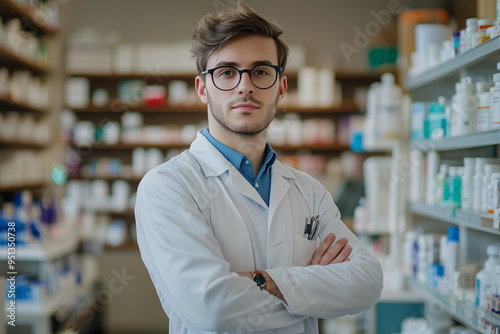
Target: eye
x=225, y=72
x=262, y=71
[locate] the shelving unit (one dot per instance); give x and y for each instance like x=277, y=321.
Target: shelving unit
x=476, y=229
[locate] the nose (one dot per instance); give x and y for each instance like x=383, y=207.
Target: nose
x=245, y=86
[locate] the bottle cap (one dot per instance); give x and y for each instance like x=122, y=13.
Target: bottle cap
x=485, y=22
x=442, y=100
x=492, y=250
x=443, y=169
x=472, y=22
x=453, y=171
x=453, y=233
x=498, y=66
x=496, y=77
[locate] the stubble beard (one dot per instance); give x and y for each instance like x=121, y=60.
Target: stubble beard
x=218, y=114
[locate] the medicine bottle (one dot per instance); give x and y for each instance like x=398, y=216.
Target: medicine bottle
x=440, y=183
x=471, y=32
x=488, y=170
x=467, y=193
x=495, y=103
x=483, y=109
x=494, y=192
x=484, y=277
x=481, y=35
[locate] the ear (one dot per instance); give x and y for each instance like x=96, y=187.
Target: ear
x=201, y=89
x=283, y=87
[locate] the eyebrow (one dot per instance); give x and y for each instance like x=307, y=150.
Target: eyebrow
x=234, y=64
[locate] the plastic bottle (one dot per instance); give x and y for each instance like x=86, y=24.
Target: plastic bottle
x=482, y=25
x=435, y=123
x=488, y=170
x=468, y=100
x=454, y=186
x=452, y=259
x=495, y=290
x=440, y=182
x=463, y=41
x=432, y=172
x=483, y=109
x=495, y=103
x=467, y=193
x=471, y=32
x=483, y=277
x=494, y=192
x=455, y=110
x=389, y=120
x=478, y=181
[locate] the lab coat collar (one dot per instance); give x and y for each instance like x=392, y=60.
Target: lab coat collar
x=210, y=159
x=213, y=163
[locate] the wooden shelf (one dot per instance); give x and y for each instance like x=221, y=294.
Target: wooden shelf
x=11, y=10
x=20, y=144
x=107, y=178
x=8, y=104
x=158, y=77
x=20, y=187
x=14, y=62
x=120, y=108
x=130, y=146
x=346, y=108
x=127, y=246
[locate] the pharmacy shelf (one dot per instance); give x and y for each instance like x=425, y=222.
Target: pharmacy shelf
x=130, y=146
x=155, y=77
x=107, y=178
x=485, y=56
x=53, y=303
x=22, y=186
x=11, y=10
x=20, y=144
x=127, y=246
x=467, y=314
x=8, y=104
x=14, y=62
x=467, y=219
x=347, y=107
x=478, y=139
x=45, y=251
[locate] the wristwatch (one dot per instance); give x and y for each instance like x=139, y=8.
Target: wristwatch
x=259, y=278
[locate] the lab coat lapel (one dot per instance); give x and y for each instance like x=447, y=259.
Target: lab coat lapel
x=280, y=232
x=244, y=187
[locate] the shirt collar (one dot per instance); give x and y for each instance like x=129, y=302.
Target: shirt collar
x=236, y=158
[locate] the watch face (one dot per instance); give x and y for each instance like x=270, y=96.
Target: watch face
x=260, y=280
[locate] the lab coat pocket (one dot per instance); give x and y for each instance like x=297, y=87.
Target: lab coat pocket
x=303, y=250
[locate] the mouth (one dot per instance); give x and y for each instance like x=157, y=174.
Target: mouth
x=245, y=107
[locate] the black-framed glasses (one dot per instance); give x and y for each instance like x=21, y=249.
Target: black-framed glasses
x=228, y=77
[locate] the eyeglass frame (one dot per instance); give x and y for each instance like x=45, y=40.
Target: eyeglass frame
x=211, y=71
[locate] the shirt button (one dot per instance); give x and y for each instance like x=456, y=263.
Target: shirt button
x=256, y=185
x=247, y=162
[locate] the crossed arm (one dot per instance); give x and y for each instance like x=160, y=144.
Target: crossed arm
x=324, y=255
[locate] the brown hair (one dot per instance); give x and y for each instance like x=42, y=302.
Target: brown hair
x=215, y=30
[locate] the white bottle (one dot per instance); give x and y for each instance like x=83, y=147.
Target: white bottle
x=455, y=110
x=478, y=181
x=495, y=290
x=439, y=183
x=389, y=120
x=488, y=170
x=432, y=171
x=483, y=109
x=471, y=32
x=495, y=103
x=469, y=101
x=483, y=277
x=493, y=192
x=452, y=251
x=467, y=193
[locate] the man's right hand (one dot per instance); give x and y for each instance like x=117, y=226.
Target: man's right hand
x=337, y=253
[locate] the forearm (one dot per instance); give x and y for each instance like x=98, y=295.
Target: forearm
x=270, y=286
x=330, y=291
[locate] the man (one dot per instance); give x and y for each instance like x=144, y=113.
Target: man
x=234, y=240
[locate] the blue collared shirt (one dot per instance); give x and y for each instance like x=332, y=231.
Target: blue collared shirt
x=261, y=183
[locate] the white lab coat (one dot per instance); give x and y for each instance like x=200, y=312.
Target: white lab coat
x=200, y=222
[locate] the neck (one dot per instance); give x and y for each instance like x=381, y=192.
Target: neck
x=251, y=146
